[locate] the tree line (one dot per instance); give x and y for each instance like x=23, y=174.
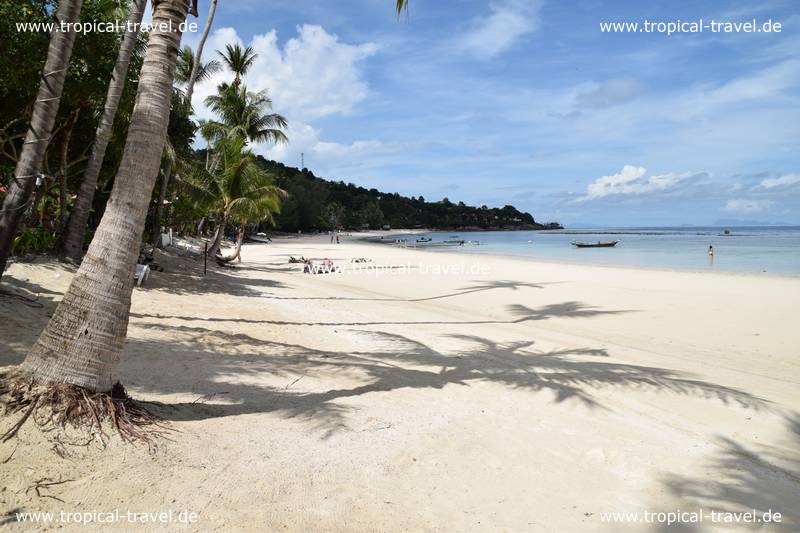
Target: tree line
x=313, y=203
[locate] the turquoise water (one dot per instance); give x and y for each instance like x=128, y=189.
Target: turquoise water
x=747, y=250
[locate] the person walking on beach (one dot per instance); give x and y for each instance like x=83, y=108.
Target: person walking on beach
x=337, y=238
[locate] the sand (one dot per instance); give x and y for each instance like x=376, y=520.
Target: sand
x=446, y=393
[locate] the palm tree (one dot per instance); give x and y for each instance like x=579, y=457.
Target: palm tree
x=260, y=205
x=71, y=247
x=43, y=117
x=83, y=342
x=243, y=114
x=194, y=73
x=235, y=188
x=186, y=68
x=238, y=60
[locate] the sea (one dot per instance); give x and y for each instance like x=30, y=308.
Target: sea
x=756, y=250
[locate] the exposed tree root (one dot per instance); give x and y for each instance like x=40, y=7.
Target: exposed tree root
x=54, y=405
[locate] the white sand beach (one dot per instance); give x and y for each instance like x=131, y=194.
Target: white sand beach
x=450, y=392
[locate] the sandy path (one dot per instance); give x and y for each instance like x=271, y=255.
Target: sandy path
x=454, y=393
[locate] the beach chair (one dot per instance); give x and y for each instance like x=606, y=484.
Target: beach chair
x=141, y=275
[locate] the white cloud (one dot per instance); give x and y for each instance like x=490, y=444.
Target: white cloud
x=313, y=75
x=632, y=180
x=781, y=181
x=508, y=22
x=747, y=206
x=302, y=139
x=320, y=155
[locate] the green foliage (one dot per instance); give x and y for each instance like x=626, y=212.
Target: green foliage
x=316, y=204
x=34, y=240
x=22, y=56
x=185, y=64
x=238, y=60
x=243, y=114
x=234, y=186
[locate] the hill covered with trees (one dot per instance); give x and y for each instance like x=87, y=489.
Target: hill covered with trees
x=314, y=203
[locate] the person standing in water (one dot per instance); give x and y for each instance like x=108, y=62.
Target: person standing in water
x=710, y=250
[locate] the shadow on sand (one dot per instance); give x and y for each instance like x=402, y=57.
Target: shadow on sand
x=744, y=479
x=392, y=362
x=521, y=312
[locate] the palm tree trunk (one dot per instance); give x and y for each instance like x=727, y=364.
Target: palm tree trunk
x=218, y=236
x=156, y=241
x=237, y=252
x=212, y=8
x=83, y=342
x=63, y=167
x=71, y=246
x=41, y=126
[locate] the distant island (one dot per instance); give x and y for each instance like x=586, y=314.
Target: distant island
x=315, y=203
x=744, y=222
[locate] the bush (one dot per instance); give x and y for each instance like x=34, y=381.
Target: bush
x=34, y=241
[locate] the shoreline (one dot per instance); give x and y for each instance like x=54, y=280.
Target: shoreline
x=367, y=239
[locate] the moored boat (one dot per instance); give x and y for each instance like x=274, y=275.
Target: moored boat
x=598, y=244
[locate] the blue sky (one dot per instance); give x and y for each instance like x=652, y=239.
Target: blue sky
x=527, y=102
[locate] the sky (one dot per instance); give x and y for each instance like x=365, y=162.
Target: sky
x=529, y=103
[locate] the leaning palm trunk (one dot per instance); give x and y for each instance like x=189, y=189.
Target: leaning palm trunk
x=237, y=252
x=41, y=127
x=218, y=236
x=72, y=242
x=212, y=8
x=83, y=342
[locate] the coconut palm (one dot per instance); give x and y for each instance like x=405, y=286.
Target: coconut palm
x=238, y=60
x=195, y=72
x=83, y=341
x=71, y=247
x=235, y=188
x=261, y=206
x=186, y=69
x=37, y=138
x=243, y=114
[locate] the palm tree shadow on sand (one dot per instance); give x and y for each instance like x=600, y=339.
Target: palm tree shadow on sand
x=476, y=286
x=393, y=362
x=521, y=314
x=764, y=479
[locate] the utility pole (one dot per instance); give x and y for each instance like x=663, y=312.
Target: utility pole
x=302, y=160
